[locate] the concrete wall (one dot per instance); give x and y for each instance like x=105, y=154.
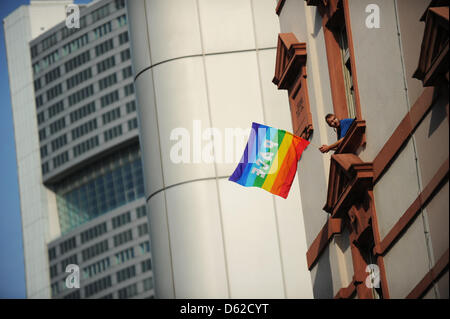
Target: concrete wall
x=213, y=61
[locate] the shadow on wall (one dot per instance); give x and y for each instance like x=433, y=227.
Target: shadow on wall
x=438, y=112
x=317, y=24
x=323, y=283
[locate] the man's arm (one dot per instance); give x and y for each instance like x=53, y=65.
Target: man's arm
x=326, y=148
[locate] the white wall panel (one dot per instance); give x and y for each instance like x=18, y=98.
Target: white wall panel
x=140, y=48
x=150, y=144
x=234, y=95
x=197, y=240
x=160, y=246
x=181, y=99
x=252, y=244
x=174, y=29
x=226, y=25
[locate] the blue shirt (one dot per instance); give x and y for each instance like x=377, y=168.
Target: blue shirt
x=345, y=124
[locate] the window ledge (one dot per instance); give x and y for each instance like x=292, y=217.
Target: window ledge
x=354, y=138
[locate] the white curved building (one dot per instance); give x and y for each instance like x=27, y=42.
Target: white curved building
x=211, y=62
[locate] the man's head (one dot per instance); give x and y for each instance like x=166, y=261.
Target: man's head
x=332, y=120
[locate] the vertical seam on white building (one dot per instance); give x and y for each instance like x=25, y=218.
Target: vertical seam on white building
x=160, y=152
x=215, y=160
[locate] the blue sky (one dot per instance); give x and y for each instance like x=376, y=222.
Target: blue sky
x=12, y=276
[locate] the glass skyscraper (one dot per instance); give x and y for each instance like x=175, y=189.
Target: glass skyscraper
x=82, y=132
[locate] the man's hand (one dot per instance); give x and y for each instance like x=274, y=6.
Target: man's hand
x=324, y=148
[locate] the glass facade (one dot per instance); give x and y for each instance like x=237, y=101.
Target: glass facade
x=100, y=188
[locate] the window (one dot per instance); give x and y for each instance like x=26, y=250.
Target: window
x=41, y=117
x=60, y=159
x=53, y=271
x=44, y=152
x=347, y=70
x=85, y=146
x=111, y=115
x=59, y=142
x=49, y=42
x=95, y=250
x=69, y=260
x=125, y=55
x=37, y=84
x=73, y=295
x=57, y=125
x=126, y=273
x=42, y=134
x=52, y=75
x=55, y=109
x=120, y=4
x=123, y=37
x=340, y=60
x=121, y=220
x=80, y=95
x=124, y=255
x=97, y=286
x=122, y=20
x=144, y=247
x=45, y=168
x=107, y=81
x=142, y=229
x=131, y=106
x=102, y=30
x=39, y=101
x=67, y=245
x=100, y=13
x=52, y=253
x=104, y=47
x=129, y=89
x=34, y=51
x=82, y=112
x=96, y=268
x=103, y=186
x=54, y=92
x=109, y=98
x=66, y=32
x=146, y=265
x=36, y=67
x=128, y=292
x=141, y=211
x=49, y=59
x=93, y=232
x=148, y=284
x=123, y=238
x=79, y=78
x=106, y=64
x=77, y=61
x=75, y=45
x=84, y=129
x=55, y=288
x=112, y=133
x=132, y=124
x=127, y=72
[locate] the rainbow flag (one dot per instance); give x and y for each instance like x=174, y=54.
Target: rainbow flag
x=270, y=160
